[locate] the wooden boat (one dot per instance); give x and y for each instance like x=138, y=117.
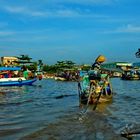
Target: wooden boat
x=100, y=91
x=131, y=75
x=67, y=75
x=92, y=97
x=14, y=81
x=96, y=87
x=60, y=78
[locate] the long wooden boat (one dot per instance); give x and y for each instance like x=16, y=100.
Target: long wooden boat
x=96, y=87
x=92, y=97
x=95, y=92
x=14, y=81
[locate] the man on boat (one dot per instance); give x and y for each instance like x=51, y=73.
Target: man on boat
x=26, y=73
x=94, y=75
x=96, y=85
x=95, y=72
x=99, y=60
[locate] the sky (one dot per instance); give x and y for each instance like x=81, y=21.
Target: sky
x=77, y=30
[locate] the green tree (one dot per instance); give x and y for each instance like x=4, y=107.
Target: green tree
x=85, y=67
x=67, y=64
x=50, y=69
x=24, y=57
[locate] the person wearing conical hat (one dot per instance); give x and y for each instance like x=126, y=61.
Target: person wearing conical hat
x=94, y=73
x=99, y=60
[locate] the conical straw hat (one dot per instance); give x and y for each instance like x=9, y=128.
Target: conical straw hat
x=100, y=59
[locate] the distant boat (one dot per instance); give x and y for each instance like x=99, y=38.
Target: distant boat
x=131, y=74
x=60, y=78
x=67, y=75
x=14, y=81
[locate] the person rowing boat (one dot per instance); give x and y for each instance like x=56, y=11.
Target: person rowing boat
x=96, y=86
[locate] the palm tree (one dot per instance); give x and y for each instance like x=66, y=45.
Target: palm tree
x=62, y=65
x=24, y=57
x=40, y=63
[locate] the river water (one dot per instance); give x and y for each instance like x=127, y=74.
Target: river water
x=49, y=110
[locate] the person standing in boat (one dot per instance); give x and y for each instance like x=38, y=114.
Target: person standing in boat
x=99, y=60
x=95, y=72
x=26, y=74
x=96, y=65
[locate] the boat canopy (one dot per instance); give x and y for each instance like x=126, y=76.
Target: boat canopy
x=10, y=68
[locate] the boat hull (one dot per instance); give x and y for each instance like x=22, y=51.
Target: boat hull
x=16, y=82
x=93, y=98
x=130, y=78
x=60, y=79
x=130, y=75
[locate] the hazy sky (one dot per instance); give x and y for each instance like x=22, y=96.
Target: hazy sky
x=77, y=30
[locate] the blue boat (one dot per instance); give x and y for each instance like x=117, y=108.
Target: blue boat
x=14, y=81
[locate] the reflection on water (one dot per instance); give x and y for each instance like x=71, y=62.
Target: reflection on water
x=50, y=110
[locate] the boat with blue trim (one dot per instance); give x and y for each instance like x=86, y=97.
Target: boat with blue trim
x=14, y=76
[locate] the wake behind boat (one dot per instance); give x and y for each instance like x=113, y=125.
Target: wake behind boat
x=14, y=76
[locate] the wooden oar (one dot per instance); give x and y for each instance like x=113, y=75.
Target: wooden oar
x=79, y=92
x=98, y=98
x=90, y=93
x=95, y=106
x=129, y=135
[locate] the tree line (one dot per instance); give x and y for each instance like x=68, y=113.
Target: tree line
x=25, y=60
